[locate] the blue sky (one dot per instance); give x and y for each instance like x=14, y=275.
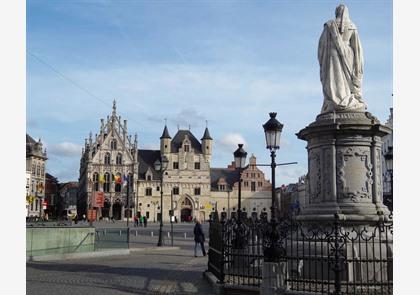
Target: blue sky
x=228, y=62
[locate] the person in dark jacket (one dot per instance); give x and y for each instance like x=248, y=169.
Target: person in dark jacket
x=199, y=238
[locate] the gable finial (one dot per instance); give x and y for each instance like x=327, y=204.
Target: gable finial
x=114, y=107
x=189, y=127
x=165, y=121
x=207, y=122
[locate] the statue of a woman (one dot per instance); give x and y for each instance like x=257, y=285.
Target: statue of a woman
x=341, y=61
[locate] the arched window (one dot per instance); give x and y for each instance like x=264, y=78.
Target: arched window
x=113, y=144
x=119, y=159
x=96, y=181
x=107, y=182
x=149, y=177
x=118, y=181
x=42, y=169
x=108, y=158
x=33, y=169
x=38, y=170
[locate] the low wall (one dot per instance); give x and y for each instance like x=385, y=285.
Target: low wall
x=42, y=241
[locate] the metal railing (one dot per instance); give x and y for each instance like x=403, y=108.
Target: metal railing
x=327, y=258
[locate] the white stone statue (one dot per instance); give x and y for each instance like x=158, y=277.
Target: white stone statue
x=341, y=64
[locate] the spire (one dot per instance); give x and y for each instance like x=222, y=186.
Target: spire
x=206, y=134
x=114, y=108
x=165, y=133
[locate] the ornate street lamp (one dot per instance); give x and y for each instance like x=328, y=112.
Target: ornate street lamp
x=160, y=166
x=240, y=160
x=272, y=130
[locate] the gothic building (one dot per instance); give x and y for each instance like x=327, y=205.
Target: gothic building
x=36, y=158
x=109, y=155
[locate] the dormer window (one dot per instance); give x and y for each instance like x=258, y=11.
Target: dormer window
x=149, y=177
x=107, y=159
x=113, y=144
x=186, y=148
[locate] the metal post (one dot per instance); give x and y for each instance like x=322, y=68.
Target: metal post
x=273, y=185
x=160, y=242
x=171, y=217
x=229, y=203
x=239, y=196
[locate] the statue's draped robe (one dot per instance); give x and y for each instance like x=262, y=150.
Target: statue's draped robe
x=341, y=68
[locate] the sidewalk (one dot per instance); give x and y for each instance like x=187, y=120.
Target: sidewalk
x=141, y=272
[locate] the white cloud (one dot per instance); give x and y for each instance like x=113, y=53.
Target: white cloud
x=230, y=141
x=65, y=149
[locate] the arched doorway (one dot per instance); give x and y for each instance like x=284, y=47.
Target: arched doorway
x=186, y=210
x=105, y=209
x=116, y=211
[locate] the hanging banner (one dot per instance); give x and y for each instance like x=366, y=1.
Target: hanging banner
x=98, y=199
x=92, y=215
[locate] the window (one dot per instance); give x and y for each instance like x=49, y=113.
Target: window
x=96, y=182
x=107, y=158
x=197, y=165
x=119, y=159
x=157, y=188
x=175, y=190
x=38, y=170
x=253, y=175
x=148, y=191
x=246, y=183
x=42, y=169
x=149, y=177
x=33, y=169
x=175, y=165
x=197, y=191
x=118, y=181
x=107, y=182
x=259, y=183
x=186, y=148
x=253, y=186
x=113, y=144
x=148, y=205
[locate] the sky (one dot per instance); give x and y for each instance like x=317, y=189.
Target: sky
x=229, y=63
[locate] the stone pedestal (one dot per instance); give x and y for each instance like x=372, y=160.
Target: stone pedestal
x=344, y=167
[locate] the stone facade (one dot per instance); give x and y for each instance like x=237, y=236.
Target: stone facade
x=36, y=158
x=111, y=153
x=255, y=189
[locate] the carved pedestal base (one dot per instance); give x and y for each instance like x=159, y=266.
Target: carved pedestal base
x=344, y=167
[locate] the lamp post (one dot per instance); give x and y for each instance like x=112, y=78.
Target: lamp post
x=272, y=130
x=240, y=159
x=160, y=166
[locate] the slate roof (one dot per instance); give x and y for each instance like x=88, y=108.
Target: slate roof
x=29, y=139
x=179, y=138
x=147, y=159
x=231, y=176
x=165, y=133
x=206, y=134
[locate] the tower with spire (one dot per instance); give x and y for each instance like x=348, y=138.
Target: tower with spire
x=206, y=144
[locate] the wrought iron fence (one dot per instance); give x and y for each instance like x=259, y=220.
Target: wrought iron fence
x=327, y=258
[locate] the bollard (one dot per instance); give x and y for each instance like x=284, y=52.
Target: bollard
x=169, y=235
x=104, y=232
x=185, y=235
x=120, y=232
x=136, y=233
x=151, y=233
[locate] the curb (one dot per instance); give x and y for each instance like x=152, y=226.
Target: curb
x=78, y=255
x=211, y=278
x=153, y=249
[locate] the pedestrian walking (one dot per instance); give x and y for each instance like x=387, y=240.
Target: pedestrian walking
x=136, y=221
x=145, y=221
x=199, y=237
x=141, y=220
x=112, y=219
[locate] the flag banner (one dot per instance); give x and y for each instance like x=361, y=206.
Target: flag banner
x=117, y=179
x=101, y=178
x=92, y=215
x=98, y=199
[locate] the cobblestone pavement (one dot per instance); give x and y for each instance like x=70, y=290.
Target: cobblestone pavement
x=152, y=272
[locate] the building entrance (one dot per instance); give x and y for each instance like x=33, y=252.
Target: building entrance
x=186, y=210
x=105, y=209
x=116, y=211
